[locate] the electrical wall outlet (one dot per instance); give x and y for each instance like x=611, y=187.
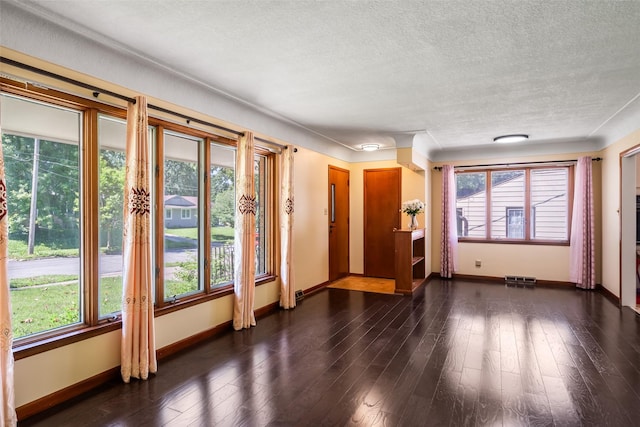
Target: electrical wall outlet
x=478, y=263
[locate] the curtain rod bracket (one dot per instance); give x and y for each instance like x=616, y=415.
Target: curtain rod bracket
x=96, y=94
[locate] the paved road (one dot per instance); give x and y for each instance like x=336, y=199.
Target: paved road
x=109, y=264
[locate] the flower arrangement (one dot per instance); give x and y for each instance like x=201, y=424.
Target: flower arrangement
x=412, y=207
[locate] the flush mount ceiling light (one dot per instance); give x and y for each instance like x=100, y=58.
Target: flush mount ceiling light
x=369, y=147
x=508, y=139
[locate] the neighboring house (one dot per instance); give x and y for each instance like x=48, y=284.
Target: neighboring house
x=180, y=211
x=549, y=208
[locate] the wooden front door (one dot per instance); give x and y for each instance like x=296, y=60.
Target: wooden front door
x=338, y=222
x=381, y=215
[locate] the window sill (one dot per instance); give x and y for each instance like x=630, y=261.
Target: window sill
x=518, y=242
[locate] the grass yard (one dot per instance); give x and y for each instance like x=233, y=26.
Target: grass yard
x=19, y=250
x=218, y=234
x=37, y=308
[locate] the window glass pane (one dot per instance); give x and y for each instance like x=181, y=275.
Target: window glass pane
x=42, y=157
x=471, y=204
x=181, y=228
x=260, y=180
x=549, y=204
x=223, y=195
x=507, y=195
x=112, y=139
x=515, y=223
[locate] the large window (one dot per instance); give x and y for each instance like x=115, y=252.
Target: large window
x=42, y=153
x=527, y=204
x=65, y=168
x=181, y=232
x=112, y=140
x=222, y=176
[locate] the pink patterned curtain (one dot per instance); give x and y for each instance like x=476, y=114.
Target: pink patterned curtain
x=245, y=235
x=138, y=347
x=449, y=235
x=8, y=414
x=287, y=284
x=582, y=269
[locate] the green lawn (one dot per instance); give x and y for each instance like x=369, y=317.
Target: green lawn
x=42, y=280
x=41, y=308
x=37, y=308
x=218, y=234
x=19, y=250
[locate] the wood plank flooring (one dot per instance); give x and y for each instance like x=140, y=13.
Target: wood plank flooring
x=455, y=353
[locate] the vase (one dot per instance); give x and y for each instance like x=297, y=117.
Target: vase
x=413, y=222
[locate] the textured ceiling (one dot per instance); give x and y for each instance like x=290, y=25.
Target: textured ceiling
x=458, y=73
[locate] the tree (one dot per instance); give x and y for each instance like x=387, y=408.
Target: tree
x=58, y=208
x=222, y=179
x=180, y=178
x=111, y=198
x=223, y=209
x=222, y=196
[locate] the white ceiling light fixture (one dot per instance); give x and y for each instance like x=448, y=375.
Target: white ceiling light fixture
x=369, y=147
x=509, y=139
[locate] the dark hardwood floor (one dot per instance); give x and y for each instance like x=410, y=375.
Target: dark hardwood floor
x=456, y=353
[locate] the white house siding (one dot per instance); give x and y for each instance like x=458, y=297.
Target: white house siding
x=474, y=209
x=508, y=194
x=548, y=200
x=176, y=204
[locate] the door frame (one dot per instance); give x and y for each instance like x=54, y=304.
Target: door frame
x=329, y=204
x=627, y=272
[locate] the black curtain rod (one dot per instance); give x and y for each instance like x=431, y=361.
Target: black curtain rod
x=96, y=91
x=190, y=119
x=438, y=168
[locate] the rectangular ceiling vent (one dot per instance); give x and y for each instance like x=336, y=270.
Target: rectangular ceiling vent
x=519, y=281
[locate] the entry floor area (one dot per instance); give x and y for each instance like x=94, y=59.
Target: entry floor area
x=455, y=353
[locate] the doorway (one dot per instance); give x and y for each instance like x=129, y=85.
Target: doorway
x=381, y=215
x=629, y=245
x=338, y=222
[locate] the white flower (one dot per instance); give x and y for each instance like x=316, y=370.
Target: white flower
x=412, y=207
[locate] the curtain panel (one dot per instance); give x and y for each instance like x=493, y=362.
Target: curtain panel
x=449, y=234
x=138, y=349
x=582, y=268
x=245, y=235
x=8, y=415
x=287, y=283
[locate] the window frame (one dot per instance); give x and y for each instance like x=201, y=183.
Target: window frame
x=92, y=325
x=527, y=240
